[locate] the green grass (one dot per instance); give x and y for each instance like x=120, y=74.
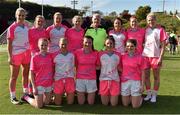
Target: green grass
x=168, y=99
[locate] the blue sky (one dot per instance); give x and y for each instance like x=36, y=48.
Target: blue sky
x=107, y=6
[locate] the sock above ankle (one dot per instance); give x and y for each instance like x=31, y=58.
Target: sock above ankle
x=12, y=94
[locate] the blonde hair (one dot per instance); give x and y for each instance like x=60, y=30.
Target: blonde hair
x=57, y=13
x=20, y=10
x=151, y=14
x=38, y=16
x=77, y=17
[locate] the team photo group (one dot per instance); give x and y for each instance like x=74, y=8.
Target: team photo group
x=58, y=61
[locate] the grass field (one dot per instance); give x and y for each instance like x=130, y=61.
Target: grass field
x=168, y=99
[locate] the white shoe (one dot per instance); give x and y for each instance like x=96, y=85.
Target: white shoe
x=148, y=96
x=154, y=95
x=153, y=99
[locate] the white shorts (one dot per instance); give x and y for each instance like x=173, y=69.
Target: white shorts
x=88, y=86
x=42, y=90
x=131, y=87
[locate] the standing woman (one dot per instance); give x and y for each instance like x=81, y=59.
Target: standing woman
x=75, y=34
x=155, y=42
x=97, y=32
x=55, y=32
x=135, y=32
x=86, y=62
x=35, y=33
x=110, y=62
x=18, y=53
x=119, y=35
x=132, y=78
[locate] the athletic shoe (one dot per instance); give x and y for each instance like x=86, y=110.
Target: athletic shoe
x=148, y=96
x=15, y=101
x=153, y=99
x=154, y=95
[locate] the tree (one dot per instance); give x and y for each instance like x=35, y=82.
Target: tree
x=125, y=15
x=98, y=11
x=142, y=12
x=113, y=14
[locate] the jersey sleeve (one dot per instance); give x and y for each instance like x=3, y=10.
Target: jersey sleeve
x=163, y=35
x=10, y=33
x=33, y=63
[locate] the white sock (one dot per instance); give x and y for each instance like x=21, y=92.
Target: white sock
x=25, y=90
x=154, y=92
x=12, y=94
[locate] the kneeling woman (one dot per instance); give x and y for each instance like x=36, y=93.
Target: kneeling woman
x=86, y=62
x=41, y=76
x=110, y=62
x=132, y=79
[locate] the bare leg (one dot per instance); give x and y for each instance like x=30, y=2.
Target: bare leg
x=91, y=98
x=81, y=98
x=25, y=75
x=13, y=78
x=105, y=100
x=136, y=101
x=58, y=99
x=70, y=98
x=47, y=98
x=126, y=100
x=114, y=100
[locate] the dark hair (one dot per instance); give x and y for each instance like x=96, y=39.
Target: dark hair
x=89, y=37
x=132, y=16
x=117, y=18
x=110, y=37
x=133, y=41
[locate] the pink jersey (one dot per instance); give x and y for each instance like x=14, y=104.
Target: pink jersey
x=153, y=39
x=86, y=64
x=34, y=35
x=55, y=34
x=19, y=36
x=109, y=66
x=42, y=66
x=132, y=67
x=75, y=39
x=120, y=39
x=139, y=35
x=64, y=66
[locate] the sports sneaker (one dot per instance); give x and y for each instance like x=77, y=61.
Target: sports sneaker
x=154, y=95
x=148, y=96
x=15, y=101
x=153, y=99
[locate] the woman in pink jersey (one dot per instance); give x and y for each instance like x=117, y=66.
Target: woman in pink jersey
x=110, y=62
x=41, y=76
x=64, y=74
x=155, y=42
x=134, y=32
x=75, y=34
x=18, y=52
x=55, y=32
x=119, y=35
x=86, y=62
x=35, y=33
x=132, y=78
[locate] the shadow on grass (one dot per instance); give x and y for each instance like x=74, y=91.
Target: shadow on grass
x=175, y=58
x=165, y=104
